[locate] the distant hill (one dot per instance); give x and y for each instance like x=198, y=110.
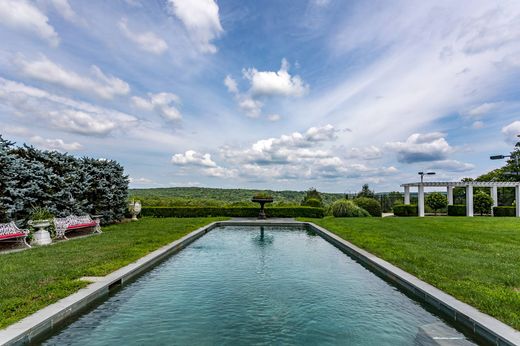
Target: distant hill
x=157, y=196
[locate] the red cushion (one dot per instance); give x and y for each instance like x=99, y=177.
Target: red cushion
x=82, y=225
x=14, y=235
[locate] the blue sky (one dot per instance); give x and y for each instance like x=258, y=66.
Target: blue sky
x=265, y=94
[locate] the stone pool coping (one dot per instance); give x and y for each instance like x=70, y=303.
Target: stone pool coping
x=44, y=320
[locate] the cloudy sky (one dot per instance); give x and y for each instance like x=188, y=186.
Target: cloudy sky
x=265, y=94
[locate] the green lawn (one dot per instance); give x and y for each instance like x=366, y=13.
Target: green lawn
x=33, y=279
x=477, y=260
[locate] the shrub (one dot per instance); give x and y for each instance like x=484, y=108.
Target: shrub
x=482, y=203
x=232, y=211
x=369, y=204
x=436, y=201
x=312, y=202
x=312, y=199
x=504, y=211
x=346, y=208
x=457, y=210
x=405, y=210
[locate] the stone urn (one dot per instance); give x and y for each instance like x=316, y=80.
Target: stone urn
x=135, y=209
x=262, y=200
x=41, y=236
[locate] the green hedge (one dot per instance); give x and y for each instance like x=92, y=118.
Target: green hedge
x=373, y=206
x=504, y=211
x=457, y=210
x=232, y=212
x=405, y=210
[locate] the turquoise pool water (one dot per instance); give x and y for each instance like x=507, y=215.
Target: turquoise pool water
x=236, y=285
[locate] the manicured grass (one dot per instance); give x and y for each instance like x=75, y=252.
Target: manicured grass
x=33, y=279
x=477, y=260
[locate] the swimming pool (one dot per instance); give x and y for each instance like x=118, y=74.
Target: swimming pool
x=241, y=285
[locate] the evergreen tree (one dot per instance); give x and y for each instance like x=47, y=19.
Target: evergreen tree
x=60, y=183
x=7, y=181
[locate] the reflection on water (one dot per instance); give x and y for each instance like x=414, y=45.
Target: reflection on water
x=263, y=239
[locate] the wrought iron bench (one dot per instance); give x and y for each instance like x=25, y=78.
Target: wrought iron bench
x=11, y=232
x=74, y=222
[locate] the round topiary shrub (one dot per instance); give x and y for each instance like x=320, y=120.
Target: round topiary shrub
x=369, y=204
x=346, y=208
x=312, y=202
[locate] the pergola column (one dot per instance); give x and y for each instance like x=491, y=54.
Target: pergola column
x=450, y=195
x=420, y=201
x=494, y=197
x=469, y=200
x=517, y=202
x=407, y=195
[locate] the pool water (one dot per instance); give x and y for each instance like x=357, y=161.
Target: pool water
x=238, y=285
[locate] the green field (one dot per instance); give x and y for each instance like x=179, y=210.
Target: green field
x=477, y=260
x=33, y=279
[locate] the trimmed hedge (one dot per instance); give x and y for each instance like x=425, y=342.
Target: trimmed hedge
x=405, y=210
x=232, y=211
x=373, y=206
x=504, y=211
x=457, y=210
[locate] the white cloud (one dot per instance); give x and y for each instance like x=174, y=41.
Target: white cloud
x=270, y=83
x=482, y=109
x=320, y=134
x=147, y=41
x=65, y=10
x=264, y=84
x=100, y=84
x=452, y=166
x=191, y=157
x=81, y=122
x=251, y=107
x=55, y=144
x=31, y=104
x=512, y=131
x=203, y=163
x=161, y=103
x=273, y=117
x=295, y=156
x=23, y=15
x=368, y=153
x=231, y=84
x=201, y=19
x=421, y=147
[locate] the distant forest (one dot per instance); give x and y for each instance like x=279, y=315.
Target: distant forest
x=178, y=196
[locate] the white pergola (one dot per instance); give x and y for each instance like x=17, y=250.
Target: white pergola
x=493, y=185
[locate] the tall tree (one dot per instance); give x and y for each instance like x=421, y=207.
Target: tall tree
x=366, y=192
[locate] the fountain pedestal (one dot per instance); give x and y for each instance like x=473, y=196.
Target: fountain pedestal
x=262, y=201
